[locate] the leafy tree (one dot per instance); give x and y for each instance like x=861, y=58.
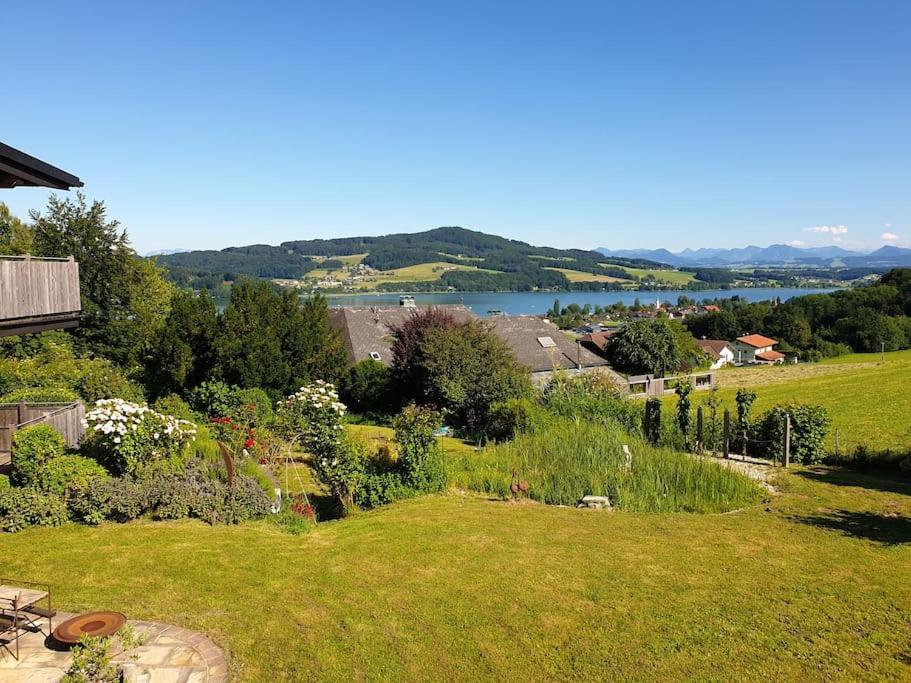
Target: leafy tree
x=271, y=341
x=408, y=372
x=645, y=346
x=366, y=387
x=124, y=301
x=684, y=414
x=15, y=236
x=184, y=355
x=465, y=370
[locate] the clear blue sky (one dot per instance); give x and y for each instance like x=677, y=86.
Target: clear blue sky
x=631, y=124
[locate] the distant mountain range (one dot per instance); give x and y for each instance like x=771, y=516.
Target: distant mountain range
x=775, y=254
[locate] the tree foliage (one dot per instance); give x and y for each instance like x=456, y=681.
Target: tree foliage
x=645, y=347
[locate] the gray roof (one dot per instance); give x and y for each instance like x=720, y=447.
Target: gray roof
x=366, y=330
x=525, y=334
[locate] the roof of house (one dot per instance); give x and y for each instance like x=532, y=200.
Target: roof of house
x=536, y=343
x=712, y=308
x=18, y=169
x=770, y=356
x=597, y=339
x=713, y=347
x=756, y=341
x=366, y=331
x=541, y=346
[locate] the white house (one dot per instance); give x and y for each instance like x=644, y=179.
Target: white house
x=754, y=348
x=722, y=353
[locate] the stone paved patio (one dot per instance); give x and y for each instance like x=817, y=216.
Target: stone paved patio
x=170, y=655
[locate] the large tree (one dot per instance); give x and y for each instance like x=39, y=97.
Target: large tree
x=408, y=372
x=124, y=299
x=645, y=346
x=184, y=355
x=269, y=340
x=15, y=236
x=469, y=370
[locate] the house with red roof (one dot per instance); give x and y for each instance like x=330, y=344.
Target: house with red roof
x=755, y=348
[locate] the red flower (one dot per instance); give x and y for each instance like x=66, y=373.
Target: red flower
x=249, y=443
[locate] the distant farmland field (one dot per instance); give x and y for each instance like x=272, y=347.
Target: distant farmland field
x=867, y=397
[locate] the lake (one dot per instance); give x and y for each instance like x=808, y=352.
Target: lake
x=534, y=303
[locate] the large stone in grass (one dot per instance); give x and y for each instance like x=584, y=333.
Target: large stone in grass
x=595, y=503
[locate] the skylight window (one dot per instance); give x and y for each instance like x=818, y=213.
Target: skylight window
x=547, y=342
x=375, y=355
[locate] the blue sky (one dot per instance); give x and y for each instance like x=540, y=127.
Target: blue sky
x=637, y=124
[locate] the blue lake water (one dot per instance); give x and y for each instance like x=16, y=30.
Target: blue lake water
x=533, y=303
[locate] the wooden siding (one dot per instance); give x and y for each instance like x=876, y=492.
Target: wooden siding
x=31, y=288
x=66, y=418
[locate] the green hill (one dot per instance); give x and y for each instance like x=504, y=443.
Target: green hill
x=496, y=263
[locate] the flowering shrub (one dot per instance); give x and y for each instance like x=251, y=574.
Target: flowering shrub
x=313, y=417
x=129, y=436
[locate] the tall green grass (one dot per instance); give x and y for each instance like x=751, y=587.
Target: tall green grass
x=572, y=458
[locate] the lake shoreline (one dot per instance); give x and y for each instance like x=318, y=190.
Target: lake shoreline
x=538, y=303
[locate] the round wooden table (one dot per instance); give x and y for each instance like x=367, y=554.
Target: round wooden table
x=101, y=624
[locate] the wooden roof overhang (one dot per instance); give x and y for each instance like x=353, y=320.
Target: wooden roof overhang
x=18, y=169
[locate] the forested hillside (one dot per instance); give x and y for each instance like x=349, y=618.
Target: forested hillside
x=516, y=265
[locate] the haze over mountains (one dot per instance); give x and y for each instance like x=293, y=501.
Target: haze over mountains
x=775, y=254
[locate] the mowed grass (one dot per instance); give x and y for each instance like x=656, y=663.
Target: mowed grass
x=868, y=398
x=582, y=276
x=386, y=436
x=676, y=277
x=815, y=585
x=419, y=272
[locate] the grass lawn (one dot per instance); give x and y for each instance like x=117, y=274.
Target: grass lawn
x=419, y=272
x=814, y=585
x=867, y=399
x=386, y=435
x=581, y=276
x=675, y=277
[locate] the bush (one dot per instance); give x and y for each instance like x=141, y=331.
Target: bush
x=213, y=399
x=592, y=397
x=809, y=426
x=119, y=500
x=4, y=483
x=366, y=387
x=54, y=393
x=312, y=417
x=253, y=405
x=65, y=473
x=32, y=447
x=199, y=491
x=127, y=436
x=102, y=379
x=420, y=458
x=21, y=508
x=174, y=405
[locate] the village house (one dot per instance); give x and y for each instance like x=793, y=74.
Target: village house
x=536, y=343
x=755, y=348
x=721, y=352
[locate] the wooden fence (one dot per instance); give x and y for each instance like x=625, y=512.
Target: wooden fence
x=648, y=385
x=66, y=418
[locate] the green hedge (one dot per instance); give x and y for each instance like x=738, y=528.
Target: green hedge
x=32, y=447
x=65, y=473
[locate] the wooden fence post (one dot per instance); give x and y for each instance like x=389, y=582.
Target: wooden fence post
x=836, y=443
x=727, y=433
x=699, y=429
x=787, y=440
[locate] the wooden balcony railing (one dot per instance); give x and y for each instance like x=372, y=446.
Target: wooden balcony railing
x=38, y=294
